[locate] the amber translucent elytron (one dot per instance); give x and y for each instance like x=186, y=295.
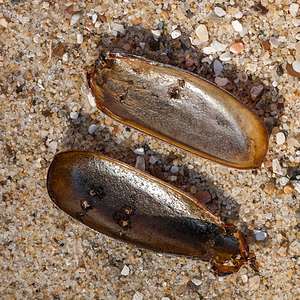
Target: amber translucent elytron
x=127, y=204
x=180, y=108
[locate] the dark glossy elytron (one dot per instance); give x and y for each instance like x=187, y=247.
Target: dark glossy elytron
x=127, y=204
x=180, y=108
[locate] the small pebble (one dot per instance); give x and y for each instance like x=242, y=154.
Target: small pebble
x=75, y=18
x=91, y=99
x=65, y=57
x=92, y=128
x=53, y=145
x=296, y=66
x=202, y=33
x=260, y=235
x=225, y=57
x=140, y=163
x=3, y=22
x=165, y=298
x=74, y=115
x=139, y=151
x=118, y=27
x=153, y=160
x=173, y=178
x=125, y=271
x=269, y=187
x=156, y=34
x=277, y=167
x=220, y=12
x=174, y=169
x=282, y=251
x=175, y=34
x=237, y=47
x=288, y=189
x=138, y=296
x=244, y=278
x=294, y=9
x=280, y=138
x=218, y=67
x=266, y=45
x=221, y=81
x=193, y=189
x=79, y=38
x=237, y=26
x=283, y=180
x=196, y=281
x=238, y=14
x=256, y=91
x=274, y=42
x=94, y=18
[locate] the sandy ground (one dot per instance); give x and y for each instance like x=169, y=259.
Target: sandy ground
x=251, y=49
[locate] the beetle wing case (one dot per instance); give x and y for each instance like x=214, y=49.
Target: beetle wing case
x=127, y=204
x=180, y=108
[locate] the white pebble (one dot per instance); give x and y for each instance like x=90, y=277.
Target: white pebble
x=36, y=38
x=94, y=18
x=91, y=99
x=202, y=33
x=139, y=151
x=225, y=57
x=53, y=145
x=118, y=27
x=74, y=19
x=277, y=167
x=156, y=34
x=138, y=296
x=79, y=38
x=238, y=14
x=280, y=138
x=218, y=67
x=74, y=115
x=274, y=42
x=206, y=60
x=196, y=281
x=65, y=57
x=296, y=186
x=260, y=235
x=283, y=181
x=296, y=66
x=97, y=24
x=175, y=34
x=174, y=169
x=208, y=50
x=221, y=81
x=237, y=26
x=244, y=278
x=294, y=9
x=153, y=160
x=220, y=12
x=173, y=178
x=217, y=46
x=125, y=271
x=3, y=22
x=92, y=128
x=165, y=298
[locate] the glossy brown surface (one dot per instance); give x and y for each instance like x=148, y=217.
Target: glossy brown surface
x=180, y=108
x=127, y=204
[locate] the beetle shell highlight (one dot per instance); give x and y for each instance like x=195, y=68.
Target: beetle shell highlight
x=180, y=108
x=127, y=204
